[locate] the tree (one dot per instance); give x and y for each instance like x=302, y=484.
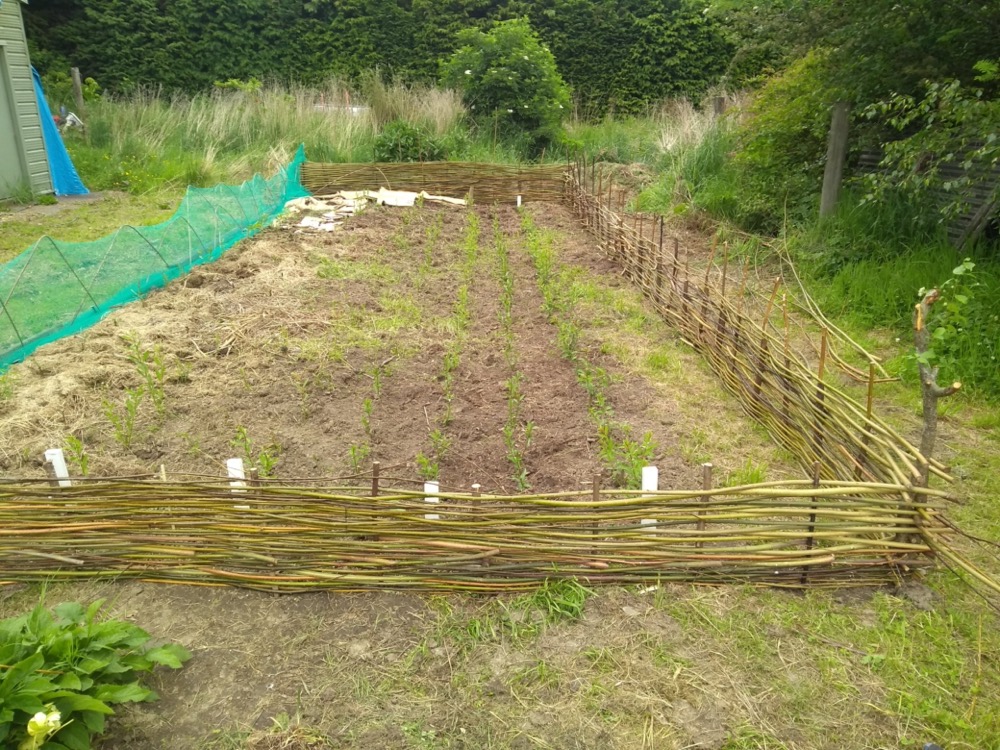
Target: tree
x=508, y=77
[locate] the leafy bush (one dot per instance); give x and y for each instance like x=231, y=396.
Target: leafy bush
x=404, y=141
x=61, y=671
x=782, y=146
x=59, y=90
x=950, y=123
x=509, y=79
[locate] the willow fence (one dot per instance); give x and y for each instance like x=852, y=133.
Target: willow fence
x=484, y=182
x=861, y=518
x=290, y=539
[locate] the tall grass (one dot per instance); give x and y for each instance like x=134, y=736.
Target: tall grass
x=140, y=141
x=654, y=139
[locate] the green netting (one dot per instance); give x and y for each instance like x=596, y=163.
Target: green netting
x=55, y=289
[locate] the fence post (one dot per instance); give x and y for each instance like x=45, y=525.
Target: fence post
x=810, y=539
x=81, y=106
x=836, y=156
x=376, y=467
x=706, y=484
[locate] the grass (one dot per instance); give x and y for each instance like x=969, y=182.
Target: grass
x=81, y=222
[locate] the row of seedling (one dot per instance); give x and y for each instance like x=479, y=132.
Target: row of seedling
x=517, y=433
x=622, y=454
x=428, y=464
x=358, y=453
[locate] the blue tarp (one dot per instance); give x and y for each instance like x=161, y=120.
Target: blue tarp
x=65, y=180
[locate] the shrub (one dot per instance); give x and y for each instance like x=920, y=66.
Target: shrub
x=63, y=670
x=509, y=80
x=403, y=141
x=782, y=146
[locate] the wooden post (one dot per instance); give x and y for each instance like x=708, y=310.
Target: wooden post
x=477, y=490
x=718, y=106
x=376, y=469
x=78, y=90
x=820, y=393
x=865, y=434
x=810, y=539
x=836, y=157
x=658, y=297
x=597, y=498
x=706, y=484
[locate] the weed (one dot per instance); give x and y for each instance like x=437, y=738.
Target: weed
x=6, y=387
x=749, y=473
x=76, y=454
x=539, y=674
x=559, y=599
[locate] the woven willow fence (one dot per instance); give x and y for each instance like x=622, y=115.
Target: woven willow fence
x=289, y=539
x=753, y=357
x=861, y=518
x=485, y=182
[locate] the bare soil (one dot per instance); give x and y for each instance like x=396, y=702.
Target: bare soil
x=282, y=338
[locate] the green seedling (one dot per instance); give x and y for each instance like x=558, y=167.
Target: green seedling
x=76, y=455
x=123, y=420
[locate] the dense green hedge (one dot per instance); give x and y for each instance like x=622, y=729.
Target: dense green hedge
x=615, y=54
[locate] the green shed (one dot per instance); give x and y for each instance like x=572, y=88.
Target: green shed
x=23, y=161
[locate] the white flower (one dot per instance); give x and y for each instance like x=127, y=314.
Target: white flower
x=510, y=111
x=525, y=106
x=525, y=57
x=560, y=106
x=468, y=72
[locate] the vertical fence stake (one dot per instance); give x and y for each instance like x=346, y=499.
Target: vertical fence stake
x=376, y=468
x=865, y=433
x=597, y=498
x=476, y=490
x=725, y=267
x=659, y=296
x=810, y=540
x=820, y=393
x=430, y=496
x=706, y=484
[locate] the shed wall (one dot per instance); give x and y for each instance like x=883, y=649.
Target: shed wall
x=22, y=95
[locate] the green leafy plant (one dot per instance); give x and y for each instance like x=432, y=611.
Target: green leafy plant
x=358, y=454
x=951, y=319
x=6, y=387
x=152, y=368
x=76, y=454
x=403, y=141
x=950, y=123
x=509, y=80
x=62, y=671
x=264, y=458
x=123, y=419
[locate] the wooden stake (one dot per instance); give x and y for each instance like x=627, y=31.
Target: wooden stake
x=376, y=469
x=810, y=538
x=706, y=484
